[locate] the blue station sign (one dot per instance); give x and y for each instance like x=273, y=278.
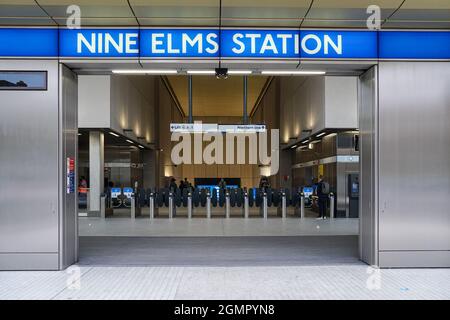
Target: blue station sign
x=99, y=43
x=150, y=43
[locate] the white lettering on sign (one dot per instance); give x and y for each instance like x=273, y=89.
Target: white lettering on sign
x=170, y=48
x=236, y=40
x=215, y=46
x=310, y=43
x=89, y=45
x=253, y=37
x=163, y=43
x=106, y=42
x=284, y=38
x=156, y=42
x=199, y=43
x=336, y=47
x=268, y=44
x=131, y=40
x=109, y=40
x=317, y=44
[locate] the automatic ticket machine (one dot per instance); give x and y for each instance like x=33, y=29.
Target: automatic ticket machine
x=353, y=195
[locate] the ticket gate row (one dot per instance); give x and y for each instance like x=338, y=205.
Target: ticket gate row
x=119, y=198
x=225, y=203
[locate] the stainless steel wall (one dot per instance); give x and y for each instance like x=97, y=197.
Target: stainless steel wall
x=31, y=166
x=368, y=110
x=68, y=148
x=414, y=164
x=29, y=182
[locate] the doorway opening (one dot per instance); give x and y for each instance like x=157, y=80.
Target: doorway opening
x=152, y=211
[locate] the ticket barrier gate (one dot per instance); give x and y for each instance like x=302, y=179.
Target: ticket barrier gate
x=105, y=205
x=130, y=201
x=225, y=203
x=118, y=198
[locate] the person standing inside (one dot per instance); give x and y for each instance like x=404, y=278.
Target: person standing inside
x=82, y=183
x=173, y=185
x=222, y=184
x=323, y=190
x=182, y=185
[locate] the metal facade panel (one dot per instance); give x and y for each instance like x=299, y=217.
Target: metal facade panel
x=368, y=104
x=69, y=144
x=28, y=261
x=29, y=182
x=418, y=259
x=414, y=142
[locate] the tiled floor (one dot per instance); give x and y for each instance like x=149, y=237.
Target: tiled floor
x=324, y=263
x=143, y=227
x=219, y=251
x=300, y=282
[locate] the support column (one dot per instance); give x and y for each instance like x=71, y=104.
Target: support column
x=190, y=115
x=96, y=169
x=150, y=172
x=244, y=111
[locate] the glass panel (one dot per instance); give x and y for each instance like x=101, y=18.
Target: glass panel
x=23, y=80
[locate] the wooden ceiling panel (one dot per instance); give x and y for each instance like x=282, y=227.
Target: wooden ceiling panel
x=217, y=97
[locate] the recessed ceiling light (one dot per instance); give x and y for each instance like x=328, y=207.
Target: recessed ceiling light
x=129, y=141
x=201, y=72
x=141, y=147
x=145, y=71
x=79, y=134
x=291, y=72
x=321, y=134
x=239, y=71
x=113, y=134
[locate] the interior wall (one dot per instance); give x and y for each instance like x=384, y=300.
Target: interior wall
x=267, y=112
x=94, y=101
x=133, y=105
x=325, y=148
x=118, y=102
x=341, y=102
x=168, y=112
x=121, y=102
x=317, y=102
x=302, y=106
x=248, y=173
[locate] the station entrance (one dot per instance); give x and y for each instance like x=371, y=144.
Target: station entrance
x=56, y=152
x=133, y=194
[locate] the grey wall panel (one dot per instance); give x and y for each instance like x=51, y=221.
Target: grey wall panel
x=28, y=165
x=417, y=259
x=69, y=144
x=341, y=102
x=29, y=261
x=368, y=105
x=94, y=99
x=414, y=144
